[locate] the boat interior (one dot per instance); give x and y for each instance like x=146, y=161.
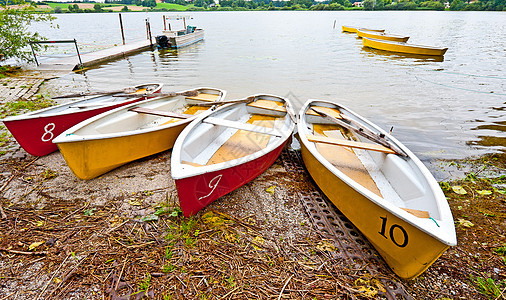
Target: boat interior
x=152, y=113
x=374, y=167
x=237, y=131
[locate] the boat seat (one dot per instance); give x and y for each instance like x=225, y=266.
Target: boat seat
x=348, y=143
x=343, y=158
x=417, y=213
x=161, y=113
x=192, y=110
x=243, y=142
x=204, y=97
x=334, y=112
x=268, y=104
x=243, y=126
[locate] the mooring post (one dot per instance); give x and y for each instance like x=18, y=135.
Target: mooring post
x=78, y=55
x=148, y=28
x=121, y=26
x=164, y=23
x=34, y=55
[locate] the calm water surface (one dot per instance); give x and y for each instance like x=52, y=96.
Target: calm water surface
x=440, y=109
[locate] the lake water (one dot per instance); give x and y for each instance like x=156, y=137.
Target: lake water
x=451, y=109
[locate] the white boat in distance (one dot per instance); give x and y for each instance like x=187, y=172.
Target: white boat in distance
x=173, y=38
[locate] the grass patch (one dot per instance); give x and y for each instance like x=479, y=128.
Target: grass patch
x=171, y=6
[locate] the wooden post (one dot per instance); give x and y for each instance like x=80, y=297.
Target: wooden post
x=34, y=55
x=184, y=22
x=121, y=26
x=149, y=32
x=164, y=23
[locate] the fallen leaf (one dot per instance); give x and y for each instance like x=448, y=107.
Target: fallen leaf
x=134, y=202
x=35, y=245
x=258, y=240
x=459, y=190
x=484, y=192
x=39, y=223
x=270, y=190
x=465, y=223
x=325, y=246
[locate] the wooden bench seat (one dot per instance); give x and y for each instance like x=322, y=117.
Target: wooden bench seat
x=348, y=143
x=334, y=112
x=268, y=104
x=243, y=126
x=204, y=97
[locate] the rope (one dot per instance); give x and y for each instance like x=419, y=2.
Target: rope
x=459, y=88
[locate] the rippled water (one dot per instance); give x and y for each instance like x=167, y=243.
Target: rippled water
x=440, y=109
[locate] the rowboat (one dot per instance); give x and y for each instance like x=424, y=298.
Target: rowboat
x=34, y=131
x=180, y=37
x=403, y=47
x=381, y=36
x=381, y=186
x=355, y=29
x=224, y=149
x=107, y=141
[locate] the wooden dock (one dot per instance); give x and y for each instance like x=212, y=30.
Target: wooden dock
x=71, y=63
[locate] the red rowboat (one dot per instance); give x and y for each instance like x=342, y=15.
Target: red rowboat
x=226, y=148
x=36, y=130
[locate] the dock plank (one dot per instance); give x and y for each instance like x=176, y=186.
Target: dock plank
x=71, y=63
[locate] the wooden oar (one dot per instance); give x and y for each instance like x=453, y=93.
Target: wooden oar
x=347, y=143
x=245, y=100
x=171, y=94
x=373, y=136
x=161, y=113
x=82, y=94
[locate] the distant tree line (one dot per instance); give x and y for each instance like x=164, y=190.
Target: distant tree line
x=345, y=4
x=145, y=3
x=231, y=5
x=434, y=5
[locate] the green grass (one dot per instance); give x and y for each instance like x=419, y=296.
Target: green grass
x=62, y=5
x=171, y=6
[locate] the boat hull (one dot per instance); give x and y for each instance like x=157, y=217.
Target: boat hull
x=403, y=48
x=355, y=29
x=407, y=250
x=36, y=135
x=380, y=36
x=91, y=158
x=198, y=191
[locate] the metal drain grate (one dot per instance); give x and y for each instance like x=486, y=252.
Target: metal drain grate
x=351, y=244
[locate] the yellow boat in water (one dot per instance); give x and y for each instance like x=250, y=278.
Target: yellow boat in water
x=107, y=141
x=381, y=36
x=403, y=47
x=355, y=29
x=380, y=186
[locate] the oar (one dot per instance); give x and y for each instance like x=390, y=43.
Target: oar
x=245, y=100
x=378, y=138
x=171, y=94
x=82, y=94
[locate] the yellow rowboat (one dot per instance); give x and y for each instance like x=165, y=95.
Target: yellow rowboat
x=386, y=192
x=355, y=29
x=381, y=36
x=403, y=47
x=109, y=140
